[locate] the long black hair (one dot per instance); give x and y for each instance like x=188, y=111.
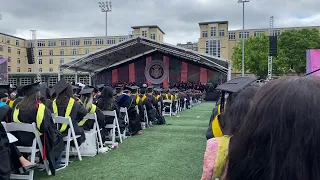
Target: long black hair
x=29, y=102
x=106, y=102
x=279, y=138
x=238, y=109
x=64, y=97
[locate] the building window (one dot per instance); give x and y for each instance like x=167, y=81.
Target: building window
x=75, y=42
x=258, y=33
x=137, y=34
x=69, y=78
x=63, y=43
x=41, y=43
x=122, y=39
x=13, y=81
x=245, y=35
x=40, y=69
x=153, y=36
x=18, y=60
x=276, y=32
x=204, y=34
x=61, y=52
x=99, y=41
x=84, y=80
x=144, y=33
x=111, y=41
x=18, y=69
x=25, y=81
x=61, y=60
x=1, y=48
x=29, y=69
x=40, y=52
x=9, y=68
x=9, y=59
x=8, y=40
x=40, y=61
x=74, y=51
x=50, y=61
x=50, y=69
x=9, y=49
x=17, y=43
x=51, y=52
x=232, y=35
x=87, y=42
x=18, y=51
x=213, y=31
x=213, y=47
x=221, y=33
x=53, y=81
x=51, y=43
x=87, y=51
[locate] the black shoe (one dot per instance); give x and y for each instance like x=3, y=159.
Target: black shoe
x=25, y=169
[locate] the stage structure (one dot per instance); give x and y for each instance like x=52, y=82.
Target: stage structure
x=142, y=60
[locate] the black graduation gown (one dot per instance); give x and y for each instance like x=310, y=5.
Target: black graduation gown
x=140, y=108
x=51, y=137
x=222, y=123
x=88, y=125
x=134, y=118
x=111, y=107
x=77, y=114
x=4, y=112
x=5, y=163
x=151, y=111
x=16, y=101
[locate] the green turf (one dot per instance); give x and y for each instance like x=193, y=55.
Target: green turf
x=173, y=151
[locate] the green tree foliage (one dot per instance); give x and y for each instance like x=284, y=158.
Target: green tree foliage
x=292, y=46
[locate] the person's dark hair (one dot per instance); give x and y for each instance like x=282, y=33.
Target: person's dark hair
x=279, y=138
x=19, y=92
x=142, y=91
x=64, y=97
x=238, y=109
x=29, y=102
x=106, y=101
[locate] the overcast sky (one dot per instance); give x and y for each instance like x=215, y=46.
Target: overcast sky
x=177, y=18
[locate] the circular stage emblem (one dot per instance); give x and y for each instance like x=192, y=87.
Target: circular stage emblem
x=156, y=72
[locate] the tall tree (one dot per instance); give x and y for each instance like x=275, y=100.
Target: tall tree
x=292, y=46
x=256, y=56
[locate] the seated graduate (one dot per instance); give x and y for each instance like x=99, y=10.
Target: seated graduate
x=134, y=118
x=151, y=111
x=159, y=118
x=108, y=103
x=19, y=97
x=31, y=110
x=87, y=101
x=97, y=95
x=65, y=105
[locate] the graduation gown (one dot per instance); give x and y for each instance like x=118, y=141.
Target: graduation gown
x=111, y=107
x=76, y=115
x=5, y=163
x=134, y=118
x=88, y=125
x=4, y=112
x=51, y=137
x=151, y=111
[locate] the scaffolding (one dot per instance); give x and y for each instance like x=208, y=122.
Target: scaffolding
x=34, y=44
x=269, y=77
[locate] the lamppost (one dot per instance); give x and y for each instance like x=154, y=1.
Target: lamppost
x=106, y=7
x=242, y=62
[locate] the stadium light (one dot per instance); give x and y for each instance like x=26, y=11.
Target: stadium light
x=105, y=8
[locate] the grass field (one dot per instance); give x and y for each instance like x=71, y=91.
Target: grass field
x=169, y=152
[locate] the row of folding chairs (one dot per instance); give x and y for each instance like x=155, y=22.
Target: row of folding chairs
x=168, y=106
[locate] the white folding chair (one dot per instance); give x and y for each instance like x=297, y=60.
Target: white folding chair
x=126, y=120
x=146, y=118
x=36, y=146
x=96, y=129
x=177, y=106
x=185, y=104
x=167, y=109
x=70, y=137
x=114, y=126
x=159, y=108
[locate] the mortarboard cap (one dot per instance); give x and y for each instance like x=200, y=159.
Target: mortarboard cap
x=4, y=90
x=51, y=90
x=30, y=89
x=61, y=86
x=100, y=86
x=86, y=91
x=126, y=91
x=134, y=87
x=91, y=87
x=236, y=84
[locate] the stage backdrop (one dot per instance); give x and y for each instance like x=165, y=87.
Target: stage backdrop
x=3, y=71
x=159, y=68
x=313, y=61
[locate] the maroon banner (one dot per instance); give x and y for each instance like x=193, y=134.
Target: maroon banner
x=166, y=64
x=203, y=75
x=132, y=76
x=184, y=71
x=114, y=75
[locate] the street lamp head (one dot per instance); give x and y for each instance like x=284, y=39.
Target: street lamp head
x=243, y=1
x=105, y=6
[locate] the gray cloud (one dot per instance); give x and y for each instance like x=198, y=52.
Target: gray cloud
x=178, y=18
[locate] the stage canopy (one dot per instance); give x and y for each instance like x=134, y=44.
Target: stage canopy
x=136, y=47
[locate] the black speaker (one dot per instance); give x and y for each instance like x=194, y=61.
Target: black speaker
x=273, y=45
x=30, y=55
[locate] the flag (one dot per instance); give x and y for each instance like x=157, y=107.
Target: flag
x=3, y=70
